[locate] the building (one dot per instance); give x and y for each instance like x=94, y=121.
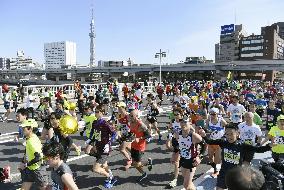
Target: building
x=21, y=62
x=110, y=63
x=268, y=45
x=281, y=29
x=251, y=47
x=228, y=48
x=4, y=63
x=59, y=54
x=197, y=60
x=273, y=43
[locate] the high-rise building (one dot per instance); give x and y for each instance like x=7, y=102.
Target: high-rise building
x=251, y=47
x=268, y=45
x=273, y=43
x=228, y=48
x=59, y=54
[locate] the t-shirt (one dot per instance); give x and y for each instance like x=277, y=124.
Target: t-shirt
x=30, y=100
x=33, y=145
x=233, y=153
x=57, y=183
x=279, y=139
x=138, y=93
x=236, y=112
x=248, y=134
x=256, y=119
x=101, y=134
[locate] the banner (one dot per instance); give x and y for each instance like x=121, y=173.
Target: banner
x=227, y=29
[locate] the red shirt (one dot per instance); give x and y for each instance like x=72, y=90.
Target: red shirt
x=141, y=145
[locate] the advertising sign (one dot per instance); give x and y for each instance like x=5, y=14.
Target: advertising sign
x=227, y=29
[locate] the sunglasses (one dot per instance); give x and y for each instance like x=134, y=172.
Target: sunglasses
x=97, y=111
x=176, y=114
x=52, y=118
x=213, y=114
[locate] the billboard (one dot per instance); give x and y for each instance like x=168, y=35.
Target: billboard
x=227, y=29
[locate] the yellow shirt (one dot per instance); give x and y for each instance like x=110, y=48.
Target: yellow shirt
x=33, y=145
x=89, y=123
x=278, y=136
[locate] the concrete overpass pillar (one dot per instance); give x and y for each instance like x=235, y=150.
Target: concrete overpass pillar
x=57, y=78
x=83, y=79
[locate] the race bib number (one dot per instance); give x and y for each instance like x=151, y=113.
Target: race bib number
x=236, y=118
x=248, y=141
x=106, y=148
x=231, y=156
x=185, y=153
x=97, y=135
x=279, y=140
x=55, y=186
x=124, y=129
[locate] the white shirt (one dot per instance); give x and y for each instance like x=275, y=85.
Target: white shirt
x=30, y=100
x=236, y=112
x=248, y=134
x=138, y=93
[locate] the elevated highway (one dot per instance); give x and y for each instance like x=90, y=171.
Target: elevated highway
x=214, y=68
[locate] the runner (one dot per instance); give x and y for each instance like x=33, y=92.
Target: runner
x=151, y=118
x=250, y=133
x=31, y=168
x=232, y=151
x=172, y=143
x=61, y=174
x=216, y=127
x=235, y=110
x=187, y=142
x=138, y=146
x=101, y=137
x=125, y=137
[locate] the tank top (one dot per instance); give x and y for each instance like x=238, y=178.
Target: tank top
x=141, y=145
x=186, y=147
x=175, y=129
x=57, y=183
x=217, y=131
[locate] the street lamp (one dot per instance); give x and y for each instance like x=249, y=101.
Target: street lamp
x=160, y=55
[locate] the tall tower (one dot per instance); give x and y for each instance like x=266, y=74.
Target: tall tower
x=92, y=41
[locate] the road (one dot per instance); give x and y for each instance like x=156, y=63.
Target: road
x=12, y=152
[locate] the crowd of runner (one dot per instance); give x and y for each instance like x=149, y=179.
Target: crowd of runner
x=224, y=123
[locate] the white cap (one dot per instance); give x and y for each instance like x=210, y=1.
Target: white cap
x=215, y=110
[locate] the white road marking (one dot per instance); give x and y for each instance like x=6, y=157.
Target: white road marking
x=15, y=175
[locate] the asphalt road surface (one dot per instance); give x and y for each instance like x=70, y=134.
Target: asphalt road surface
x=12, y=152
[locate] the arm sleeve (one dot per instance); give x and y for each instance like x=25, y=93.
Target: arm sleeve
x=213, y=142
x=69, y=141
x=36, y=159
x=258, y=149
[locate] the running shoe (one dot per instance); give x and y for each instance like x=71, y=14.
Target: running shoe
x=160, y=138
x=150, y=164
x=128, y=164
x=78, y=151
x=110, y=183
x=142, y=177
x=173, y=183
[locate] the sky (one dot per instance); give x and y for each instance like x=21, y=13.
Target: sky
x=135, y=29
